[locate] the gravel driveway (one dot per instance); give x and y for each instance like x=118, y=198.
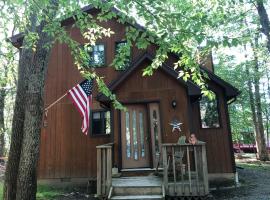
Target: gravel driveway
x=255, y=184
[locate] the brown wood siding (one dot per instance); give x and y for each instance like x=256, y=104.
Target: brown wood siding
x=160, y=88
x=67, y=153
x=217, y=139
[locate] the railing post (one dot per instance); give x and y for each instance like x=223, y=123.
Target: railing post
x=98, y=172
x=205, y=170
x=109, y=169
x=165, y=168
x=104, y=169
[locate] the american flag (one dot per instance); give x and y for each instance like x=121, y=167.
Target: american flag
x=81, y=96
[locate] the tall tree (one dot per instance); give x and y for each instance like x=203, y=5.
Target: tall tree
x=11, y=175
x=264, y=21
x=200, y=20
x=20, y=180
x=263, y=153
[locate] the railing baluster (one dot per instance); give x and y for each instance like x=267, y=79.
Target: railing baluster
x=182, y=174
x=189, y=177
x=196, y=169
x=180, y=187
x=165, y=167
x=204, y=169
x=174, y=173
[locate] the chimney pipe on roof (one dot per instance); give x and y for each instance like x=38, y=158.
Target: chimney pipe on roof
x=207, y=61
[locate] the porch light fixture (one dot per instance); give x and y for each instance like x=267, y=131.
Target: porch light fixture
x=174, y=104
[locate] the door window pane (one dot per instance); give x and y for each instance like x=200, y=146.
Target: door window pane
x=135, y=140
x=155, y=121
x=128, y=142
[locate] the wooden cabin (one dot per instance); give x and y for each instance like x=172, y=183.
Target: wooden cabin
x=140, y=140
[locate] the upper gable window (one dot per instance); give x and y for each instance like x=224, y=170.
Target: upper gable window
x=123, y=53
x=209, y=112
x=97, y=55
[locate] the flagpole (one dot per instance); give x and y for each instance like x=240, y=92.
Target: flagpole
x=55, y=102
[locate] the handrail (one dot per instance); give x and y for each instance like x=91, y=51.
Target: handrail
x=185, y=169
x=104, y=169
x=108, y=145
x=187, y=144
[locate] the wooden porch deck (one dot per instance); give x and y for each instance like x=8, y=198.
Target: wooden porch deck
x=184, y=174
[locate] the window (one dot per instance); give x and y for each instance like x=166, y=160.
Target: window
x=101, y=122
x=97, y=56
x=122, y=53
x=209, y=112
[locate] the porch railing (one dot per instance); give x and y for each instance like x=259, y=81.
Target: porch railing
x=185, y=169
x=104, y=169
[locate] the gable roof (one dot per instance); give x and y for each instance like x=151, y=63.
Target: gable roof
x=230, y=91
x=193, y=90
x=17, y=39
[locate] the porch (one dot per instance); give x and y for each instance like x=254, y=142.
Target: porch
x=183, y=174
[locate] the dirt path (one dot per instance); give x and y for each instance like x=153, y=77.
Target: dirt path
x=255, y=182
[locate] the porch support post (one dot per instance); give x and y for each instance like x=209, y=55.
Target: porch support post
x=205, y=171
x=165, y=168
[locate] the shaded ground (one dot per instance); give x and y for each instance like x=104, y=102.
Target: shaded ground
x=254, y=178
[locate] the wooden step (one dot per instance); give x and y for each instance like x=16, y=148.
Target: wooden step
x=137, y=172
x=141, y=187
x=137, y=190
x=141, y=197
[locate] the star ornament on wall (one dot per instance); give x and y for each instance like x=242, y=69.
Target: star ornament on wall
x=176, y=125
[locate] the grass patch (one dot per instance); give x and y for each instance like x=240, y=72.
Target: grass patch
x=45, y=192
x=1, y=190
x=255, y=165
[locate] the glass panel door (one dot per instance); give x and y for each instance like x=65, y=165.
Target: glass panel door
x=135, y=146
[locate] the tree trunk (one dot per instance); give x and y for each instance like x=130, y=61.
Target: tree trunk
x=253, y=110
x=10, y=184
x=26, y=184
x=268, y=90
x=264, y=21
x=263, y=154
x=2, y=121
x=27, y=176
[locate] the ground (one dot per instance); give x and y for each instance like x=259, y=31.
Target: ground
x=254, y=184
x=254, y=181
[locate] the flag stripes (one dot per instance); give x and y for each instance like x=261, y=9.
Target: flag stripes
x=81, y=96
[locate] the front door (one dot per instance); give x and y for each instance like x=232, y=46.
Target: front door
x=135, y=137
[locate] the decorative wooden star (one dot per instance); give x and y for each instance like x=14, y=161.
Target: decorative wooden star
x=176, y=125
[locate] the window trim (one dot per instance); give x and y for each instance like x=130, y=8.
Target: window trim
x=218, y=111
x=91, y=125
x=105, y=56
